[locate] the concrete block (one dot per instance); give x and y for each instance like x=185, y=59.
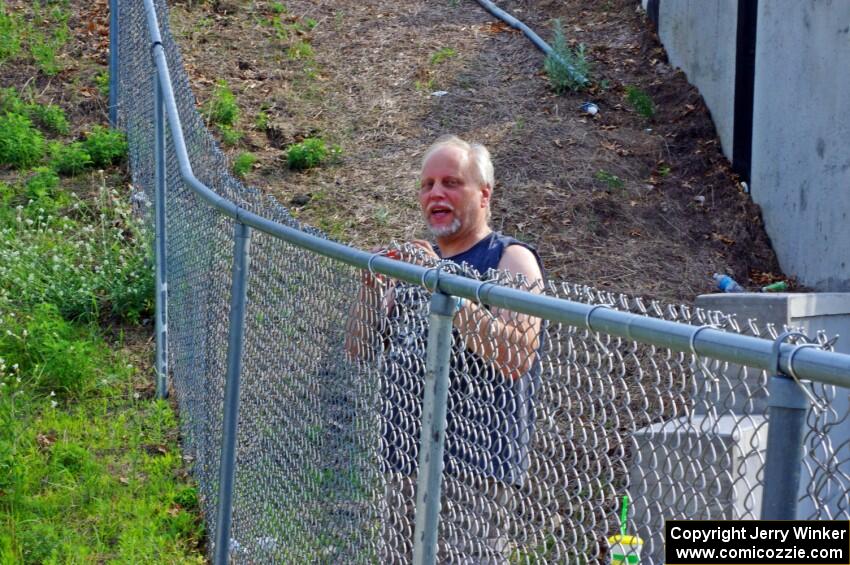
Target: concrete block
x=826, y=467
x=697, y=468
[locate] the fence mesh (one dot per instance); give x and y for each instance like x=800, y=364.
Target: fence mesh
x=548, y=428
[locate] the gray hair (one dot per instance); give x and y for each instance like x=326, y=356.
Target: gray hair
x=477, y=153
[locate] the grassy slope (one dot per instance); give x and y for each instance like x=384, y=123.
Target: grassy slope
x=90, y=468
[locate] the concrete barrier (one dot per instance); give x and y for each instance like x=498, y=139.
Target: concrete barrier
x=772, y=75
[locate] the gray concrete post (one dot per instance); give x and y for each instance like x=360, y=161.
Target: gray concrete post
x=238, y=299
x=433, y=432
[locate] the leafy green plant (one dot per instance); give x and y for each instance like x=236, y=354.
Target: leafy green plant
x=310, y=153
x=50, y=117
x=106, y=146
x=442, y=55
x=278, y=8
x=640, y=101
x=21, y=145
x=567, y=68
x=611, y=180
x=221, y=108
x=71, y=159
x=243, y=163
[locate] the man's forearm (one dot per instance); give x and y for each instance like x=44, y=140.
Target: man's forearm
x=509, y=344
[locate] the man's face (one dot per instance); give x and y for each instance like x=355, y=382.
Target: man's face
x=450, y=196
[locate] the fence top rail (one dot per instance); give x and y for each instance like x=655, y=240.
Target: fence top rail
x=808, y=362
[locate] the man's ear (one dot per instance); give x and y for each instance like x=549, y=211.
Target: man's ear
x=486, y=193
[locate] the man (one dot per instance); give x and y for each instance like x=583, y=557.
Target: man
x=494, y=363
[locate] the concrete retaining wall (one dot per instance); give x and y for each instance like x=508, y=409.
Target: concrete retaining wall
x=699, y=36
x=799, y=164
x=801, y=137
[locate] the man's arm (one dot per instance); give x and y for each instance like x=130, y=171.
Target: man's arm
x=507, y=339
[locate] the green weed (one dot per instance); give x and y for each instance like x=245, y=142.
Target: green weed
x=91, y=261
x=10, y=34
x=611, y=180
x=46, y=45
x=567, y=68
x=311, y=23
x=442, y=55
x=640, y=101
x=278, y=8
x=21, y=145
x=243, y=163
x=221, y=108
x=310, y=153
x=101, y=81
x=300, y=50
x=229, y=135
x=262, y=120
x=42, y=188
x=71, y=159
x=106, y=146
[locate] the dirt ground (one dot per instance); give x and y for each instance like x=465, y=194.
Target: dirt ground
x=678, y=215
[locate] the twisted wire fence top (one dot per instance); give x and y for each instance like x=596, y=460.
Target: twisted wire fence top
x=541, y=447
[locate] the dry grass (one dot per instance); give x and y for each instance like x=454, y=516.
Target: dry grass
x=368, y=89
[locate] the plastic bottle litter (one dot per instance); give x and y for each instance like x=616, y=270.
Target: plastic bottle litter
x=727, y=284
x=589, y=108
x=779, y=286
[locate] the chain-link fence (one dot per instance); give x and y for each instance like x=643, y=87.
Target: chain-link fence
x=549, y=424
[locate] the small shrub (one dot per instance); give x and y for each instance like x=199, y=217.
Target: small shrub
x=71, y=159
x=567, y=68
x=243, y=164
x=50, y=117
x=308, y=154
x=221, y=108
x=21, y=145
x=105, y=146
x=442, y=55
x=640, y=101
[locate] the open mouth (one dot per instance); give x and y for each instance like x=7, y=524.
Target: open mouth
x=439, y=212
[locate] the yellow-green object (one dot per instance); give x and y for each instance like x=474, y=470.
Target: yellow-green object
x=625, y=550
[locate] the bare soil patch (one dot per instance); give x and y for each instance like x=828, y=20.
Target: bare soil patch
x=368, y=86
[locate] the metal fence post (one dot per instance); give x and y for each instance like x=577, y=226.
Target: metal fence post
x=113, y=62
x=238, y=299
x=788, y=406
x=433, y=432
x=160, y=245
